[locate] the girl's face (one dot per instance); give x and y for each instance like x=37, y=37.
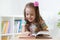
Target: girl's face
x=30, y=14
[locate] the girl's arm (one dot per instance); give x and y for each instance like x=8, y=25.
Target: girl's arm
x=28, y=33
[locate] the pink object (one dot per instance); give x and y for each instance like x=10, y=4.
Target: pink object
x=36, y=3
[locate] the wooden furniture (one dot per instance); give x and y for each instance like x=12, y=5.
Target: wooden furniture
x=25, y=37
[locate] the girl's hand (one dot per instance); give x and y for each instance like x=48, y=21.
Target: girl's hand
x=28, y=33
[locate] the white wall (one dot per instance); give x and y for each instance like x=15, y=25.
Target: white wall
x=12, y=7
x=48, y=9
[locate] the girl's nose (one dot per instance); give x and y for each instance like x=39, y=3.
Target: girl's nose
x=30, y=15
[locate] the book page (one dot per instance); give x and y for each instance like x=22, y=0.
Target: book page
x=40, y=32
x=43, y=32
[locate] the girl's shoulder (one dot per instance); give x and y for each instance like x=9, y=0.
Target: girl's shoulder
x=43, y=24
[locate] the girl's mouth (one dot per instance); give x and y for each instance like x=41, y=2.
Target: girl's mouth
x=30, y=18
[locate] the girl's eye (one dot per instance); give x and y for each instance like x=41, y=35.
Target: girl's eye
x=31, y=14
x=27, y=14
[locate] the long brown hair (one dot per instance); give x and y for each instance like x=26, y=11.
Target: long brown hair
x=38, y=18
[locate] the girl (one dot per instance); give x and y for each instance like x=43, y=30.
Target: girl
x=34, y=22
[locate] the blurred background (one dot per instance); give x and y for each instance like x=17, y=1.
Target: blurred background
x=48, y=9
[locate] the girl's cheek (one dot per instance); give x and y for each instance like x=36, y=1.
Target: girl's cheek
x=27, y=17
x=33, y=17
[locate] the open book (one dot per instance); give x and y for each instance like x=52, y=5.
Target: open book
x=40, y=33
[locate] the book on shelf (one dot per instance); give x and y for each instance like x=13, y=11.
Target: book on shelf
x=18, y=26
x=4, y=38
x=5, y=26
x=9, y=28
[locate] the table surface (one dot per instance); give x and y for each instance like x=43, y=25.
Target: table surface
x=24, y=37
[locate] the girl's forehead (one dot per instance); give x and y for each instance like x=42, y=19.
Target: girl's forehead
x=30, y=10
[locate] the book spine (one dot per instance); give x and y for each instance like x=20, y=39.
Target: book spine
x=2, y=26
x=5, y=27
x=15, y=26
x=20, y=26
x=8, y=31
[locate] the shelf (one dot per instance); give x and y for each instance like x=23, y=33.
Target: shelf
x=6, y=34
x=20, y=33
x=10, y=34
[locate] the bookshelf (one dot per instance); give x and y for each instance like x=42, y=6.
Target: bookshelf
x=8, y=28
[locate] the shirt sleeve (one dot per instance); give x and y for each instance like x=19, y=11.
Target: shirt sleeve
x=44, y=26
